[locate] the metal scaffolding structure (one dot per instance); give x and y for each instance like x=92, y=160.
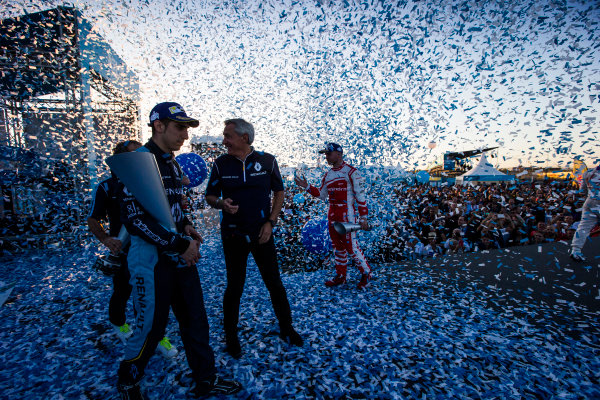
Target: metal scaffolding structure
x=66, y=98
x=53, y=66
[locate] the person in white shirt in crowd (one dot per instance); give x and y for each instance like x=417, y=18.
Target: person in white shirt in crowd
x=414, y=248
x=432, y=249
x=590, y=214
x=456, y=243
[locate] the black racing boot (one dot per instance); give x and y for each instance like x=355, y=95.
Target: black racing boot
x=130, y=392
x=216, y=385
x=290, y=336
x=232, y=346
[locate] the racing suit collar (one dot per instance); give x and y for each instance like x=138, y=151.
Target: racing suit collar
x=340, y=167
x=158, y=152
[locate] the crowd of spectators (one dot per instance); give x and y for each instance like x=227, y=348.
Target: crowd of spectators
x=428, y=221
x=421, y=221
x=418, y=220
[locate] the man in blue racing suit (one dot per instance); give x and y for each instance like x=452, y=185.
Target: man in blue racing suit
x=163, y=269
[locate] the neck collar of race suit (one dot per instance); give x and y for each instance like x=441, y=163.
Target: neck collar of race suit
x=339, y=166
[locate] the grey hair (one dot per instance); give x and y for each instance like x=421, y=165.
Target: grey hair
x=242, y=127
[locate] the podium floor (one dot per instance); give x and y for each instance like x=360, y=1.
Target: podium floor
x=543, y=272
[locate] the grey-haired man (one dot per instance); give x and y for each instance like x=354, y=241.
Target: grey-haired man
x=241, y=183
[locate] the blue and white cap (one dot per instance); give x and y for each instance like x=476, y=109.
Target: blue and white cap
x=329, y=147
x=172, y=111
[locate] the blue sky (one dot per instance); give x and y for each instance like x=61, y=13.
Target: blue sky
x=381, y=78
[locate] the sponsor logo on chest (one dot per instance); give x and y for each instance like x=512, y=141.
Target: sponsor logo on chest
x=258, y=168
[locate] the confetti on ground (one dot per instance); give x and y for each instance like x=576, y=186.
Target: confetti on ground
x=416, y=332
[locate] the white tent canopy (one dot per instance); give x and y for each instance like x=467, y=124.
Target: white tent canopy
x=483, y=172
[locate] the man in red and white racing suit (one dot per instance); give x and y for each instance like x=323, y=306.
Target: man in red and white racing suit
x=347, y=203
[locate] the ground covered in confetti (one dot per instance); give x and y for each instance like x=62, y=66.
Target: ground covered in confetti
x=415, y=333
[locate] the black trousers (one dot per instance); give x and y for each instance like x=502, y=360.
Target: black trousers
x=236, y=250
x=121, y=292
